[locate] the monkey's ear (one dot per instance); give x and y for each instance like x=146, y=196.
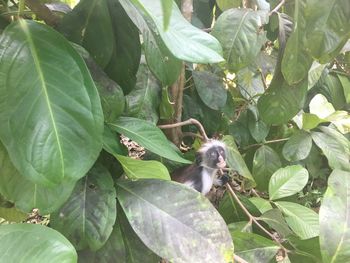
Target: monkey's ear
x=198, y=158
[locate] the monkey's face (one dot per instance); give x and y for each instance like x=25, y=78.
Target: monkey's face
x=216, y=157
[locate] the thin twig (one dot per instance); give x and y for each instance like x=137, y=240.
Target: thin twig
x=187, y=122
x=267, y=142
x=253, y=218
x=191, y=134
x=277, y=7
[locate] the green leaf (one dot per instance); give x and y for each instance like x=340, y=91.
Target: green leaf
x=266, y=161
x=240, y=34
x=87, y=218
x=320, y=106
x=276, y=221
x=302, y=220
x=210, y=88
x=52, y=121
x=298, y=146
x=208, y=241
x=236, y=161
x=305, y=251
x=335, y=220
x=12, y=214
x=126, y=55
x=166, y=109
x=257, y=128
x=111, y=142
x=89, y=24
x=249, y=83
x=281, y=102
x=138, y=169
x=227, y=4
x=17, y=245
x=315, y=73
x=254, y=248
x=143, y=101
x=147, y=135
x=346, y=86
x=262, y=204
x=27, y=195
x=166, y=7
x=200, y=46
x=328, y=29
x=296, y=61
x=287, y=181
x=332, y=88
x=334, y=146
x=310, y=121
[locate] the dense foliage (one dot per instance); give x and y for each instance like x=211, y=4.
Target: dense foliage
x=270, y=78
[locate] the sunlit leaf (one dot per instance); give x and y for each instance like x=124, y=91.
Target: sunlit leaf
x=298, y=146
x=335, y=220
x=16, y=245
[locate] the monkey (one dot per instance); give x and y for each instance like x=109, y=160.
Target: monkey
x=201, y=175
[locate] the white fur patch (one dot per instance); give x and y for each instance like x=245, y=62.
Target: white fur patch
x=211, y=143
x=207, y=181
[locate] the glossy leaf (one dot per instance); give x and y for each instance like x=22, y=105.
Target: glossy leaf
x=298, y=146
x=166, y=7
x=240, y=34
x=254, y=248
x=281, y=102
x=89, y=24
x=333, y=90
x=262, y=204
x=250, y=83
x=334, y=146
x=87, y=218
x=266, y=161
x=27, y=195
x=305, y=251
x=175, y=228
x=143, y=101
x=329, y=28
x=111, y=142
x=296, y=60
x=210, y=88
x=139, y=169
x=148, y=136
x=287, y=181
x=320, y=106
x=200, y=46
x=126, y=55
x=164, y=65
x=310, y=121
x=54, y=120
x=16, y=245
x=302, y=220
x=335, y=220
x=257, y=128
x=315, y=73
x=236, y=161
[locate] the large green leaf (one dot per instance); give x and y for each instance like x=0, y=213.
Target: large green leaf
x=346, y=87
x=328, y=27
x=249, y=83
x=52, y=120
x=276, y=221
x=298, y=146
x=302, y=220
x=331, y=87
x=167, y=8
x=227, y=4
x=305, y=251
x=127, y=51
x=174, y=234
x=266, y=161
x=296, y=60
x=89, y=24
x=257, y=128
x=87, y=218
x=254, y=248
x=236, y=161
x=137, y=169
x=335, y=147
x=143, y=101
x=148, y=136
x=34, y=243
x=210, y=88
x=200, y=46
x=335, y=220
x=240, y=34
x=282, y=102
x=287, y=181
x=27, y=195
x=262, y=204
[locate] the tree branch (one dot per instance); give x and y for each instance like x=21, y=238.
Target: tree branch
x=187, y=122
x=277, y=7
x=43, y=12
x=267, y=142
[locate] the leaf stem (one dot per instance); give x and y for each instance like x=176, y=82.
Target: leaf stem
x=267, y=142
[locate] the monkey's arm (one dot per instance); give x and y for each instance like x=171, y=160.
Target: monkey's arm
x=222, y=180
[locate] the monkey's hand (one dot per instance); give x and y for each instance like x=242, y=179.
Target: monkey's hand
x=222, y=180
